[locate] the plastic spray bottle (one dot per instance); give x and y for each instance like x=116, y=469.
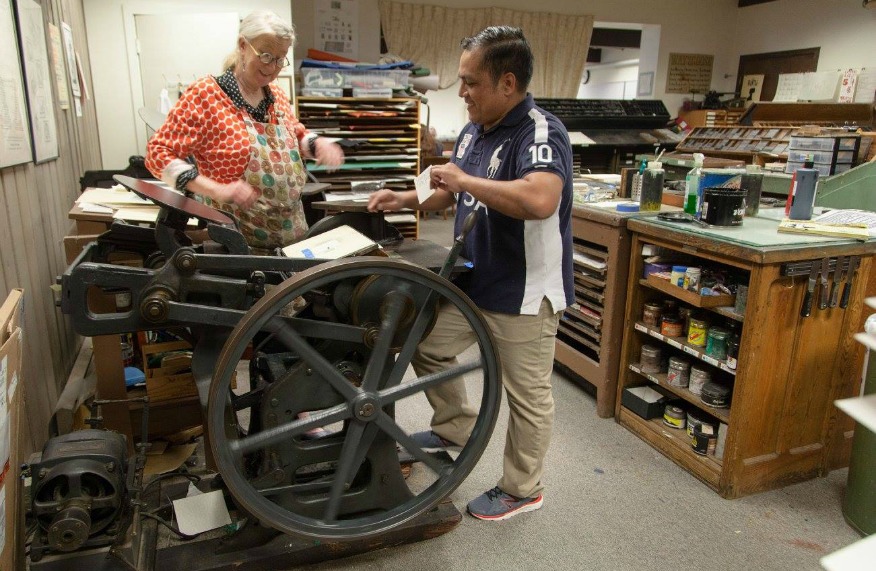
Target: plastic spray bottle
x=692, y=185
x=636, y=192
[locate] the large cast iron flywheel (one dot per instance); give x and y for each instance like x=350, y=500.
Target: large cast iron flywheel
x=330, y=348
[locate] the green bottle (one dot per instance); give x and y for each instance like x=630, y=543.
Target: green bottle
x=692, y=184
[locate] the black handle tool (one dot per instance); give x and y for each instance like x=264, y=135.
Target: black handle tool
x=837, y=279
x=806, y=309
x=854, y=262
x=825, y=272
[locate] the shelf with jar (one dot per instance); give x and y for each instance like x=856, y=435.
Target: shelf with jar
x=770, y=424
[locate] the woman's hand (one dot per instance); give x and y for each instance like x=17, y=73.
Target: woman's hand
x=239, y=192
x=328, y=153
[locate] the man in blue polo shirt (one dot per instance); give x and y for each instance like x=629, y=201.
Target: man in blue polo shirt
x=513, y=162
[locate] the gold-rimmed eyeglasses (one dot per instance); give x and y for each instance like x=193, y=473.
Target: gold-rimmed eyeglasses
x=267, y=58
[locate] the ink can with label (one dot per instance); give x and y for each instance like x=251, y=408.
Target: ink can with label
x=674, y=417
x=698, y=378
x=650, y=359
x=696, y=332
x=678, y=374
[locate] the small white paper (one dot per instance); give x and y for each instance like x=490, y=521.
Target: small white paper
x=423, y=183
x=862, y=409
x=788, y=88
x=579, y=138
x=855, y=557
x=200, y=513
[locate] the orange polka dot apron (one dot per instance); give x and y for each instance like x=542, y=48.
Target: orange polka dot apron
x=275, y=169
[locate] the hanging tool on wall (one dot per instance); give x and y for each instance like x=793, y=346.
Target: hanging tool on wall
x=806, y=310
x=854, y=262
x=838, y=275
x=825, y=272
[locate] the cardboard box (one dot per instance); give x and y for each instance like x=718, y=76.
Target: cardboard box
x=14, y=433
x=644, y=401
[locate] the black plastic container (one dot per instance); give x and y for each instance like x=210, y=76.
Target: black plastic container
x=723, y=206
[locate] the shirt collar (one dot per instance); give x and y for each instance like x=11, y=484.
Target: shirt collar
x=517, y=114
x=228, y=83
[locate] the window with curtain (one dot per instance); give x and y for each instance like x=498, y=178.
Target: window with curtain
x=430, y=36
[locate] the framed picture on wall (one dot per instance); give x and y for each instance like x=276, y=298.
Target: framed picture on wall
x=15, y=145
x=40, y=101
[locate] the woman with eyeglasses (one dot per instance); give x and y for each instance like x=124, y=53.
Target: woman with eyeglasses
x=247, y=143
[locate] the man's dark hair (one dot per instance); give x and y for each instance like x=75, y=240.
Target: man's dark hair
x=504, y=49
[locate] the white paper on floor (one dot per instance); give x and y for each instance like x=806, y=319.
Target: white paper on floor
x=203, y=512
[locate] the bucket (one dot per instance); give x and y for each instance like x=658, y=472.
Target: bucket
x=723, y=206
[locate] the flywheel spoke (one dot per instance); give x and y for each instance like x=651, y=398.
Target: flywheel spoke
x=280, y=433
x=345, y=470
x=388, y=327
x=403, y=359
x=311, y=356
x=388, y=425
x=431, y=380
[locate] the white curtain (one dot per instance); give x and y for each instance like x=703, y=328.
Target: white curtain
x=430, y=36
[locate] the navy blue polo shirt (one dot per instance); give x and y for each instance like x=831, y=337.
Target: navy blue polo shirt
x=517, y=263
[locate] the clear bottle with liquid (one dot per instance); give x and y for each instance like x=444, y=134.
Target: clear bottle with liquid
x=652, y=187
x=692, y=185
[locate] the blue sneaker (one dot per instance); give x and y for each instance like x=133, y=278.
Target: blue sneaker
x=431, y=442
x=496, y=505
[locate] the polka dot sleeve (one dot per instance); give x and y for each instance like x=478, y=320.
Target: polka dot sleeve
x=178, y=136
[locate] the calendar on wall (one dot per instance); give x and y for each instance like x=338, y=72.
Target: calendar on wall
x=337, y=27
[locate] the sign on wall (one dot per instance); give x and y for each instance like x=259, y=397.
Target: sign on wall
x=14, y=127
x=689, y=73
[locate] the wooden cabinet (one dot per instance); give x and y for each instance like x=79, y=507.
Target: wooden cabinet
x=781, y=426
x=381, y=141
x=590, y=332
x=589, y=335
x=742, y=142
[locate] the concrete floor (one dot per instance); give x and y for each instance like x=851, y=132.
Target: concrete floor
x=613, y=502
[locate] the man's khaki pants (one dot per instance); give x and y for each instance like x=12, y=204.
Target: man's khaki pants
x=525, y=344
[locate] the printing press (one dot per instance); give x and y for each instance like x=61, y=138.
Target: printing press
x=310, y=344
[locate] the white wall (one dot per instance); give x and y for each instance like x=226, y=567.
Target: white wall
x=844, y=30
x=110, y=26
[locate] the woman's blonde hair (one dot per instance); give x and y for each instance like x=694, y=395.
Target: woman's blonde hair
x=260, y=23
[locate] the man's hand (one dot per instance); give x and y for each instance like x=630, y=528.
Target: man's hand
x=449, y=177
x=385, y=199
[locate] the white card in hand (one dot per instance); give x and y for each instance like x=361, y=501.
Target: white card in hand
x=423, y=184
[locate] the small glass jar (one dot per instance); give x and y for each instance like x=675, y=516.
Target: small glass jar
x=679, y=373
x=684, y=313
x=716, y=343
x=732, y=351
x=652, y=314
x=671, y=326
x=650, y=358
x=696, y=332
x=676, y=277
x=698, y=378
x=692, y=279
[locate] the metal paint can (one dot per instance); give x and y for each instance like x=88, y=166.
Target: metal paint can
x=716, y=178
x=696, y=418
x=698, y=378
x=650, y=358
x=723, y=207
x=704, y=439
x=674, y=417
x=678, y=374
